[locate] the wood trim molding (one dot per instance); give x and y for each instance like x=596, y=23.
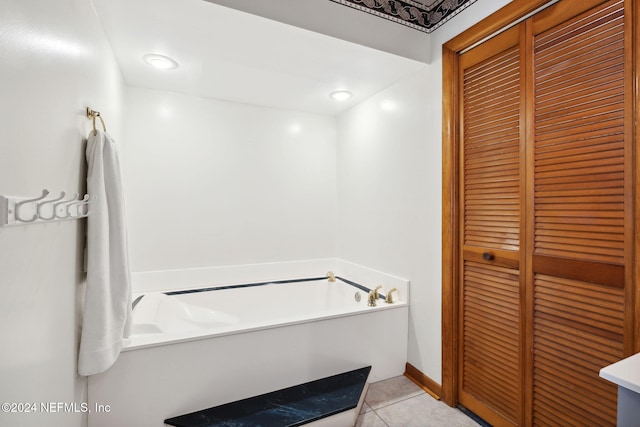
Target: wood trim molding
x=495, y=22
x=634, y=294
x=449, y=228
x=527, y=301
x=602, y=273
x=423, y=381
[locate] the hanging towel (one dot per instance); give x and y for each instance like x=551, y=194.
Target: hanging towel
x=107, y=306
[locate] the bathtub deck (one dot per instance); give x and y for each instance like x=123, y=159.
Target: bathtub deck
x=293, y=406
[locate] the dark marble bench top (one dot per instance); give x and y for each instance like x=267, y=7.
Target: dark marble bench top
x=293, y=406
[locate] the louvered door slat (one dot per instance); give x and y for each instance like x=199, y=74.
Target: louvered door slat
x=583, y=136
x=586, y=26
x=572, y=370
x=578, y=331
x=577, y=391
x=574, y=59
x=550, y=157
x=600, y=82
x=577, y=119
x=578, y=76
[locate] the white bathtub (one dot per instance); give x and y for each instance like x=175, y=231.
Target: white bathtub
x=194, y=350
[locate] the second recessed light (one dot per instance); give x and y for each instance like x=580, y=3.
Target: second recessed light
x=341, y=95
x=160, y=62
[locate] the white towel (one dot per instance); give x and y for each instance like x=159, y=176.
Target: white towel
x=107, y=307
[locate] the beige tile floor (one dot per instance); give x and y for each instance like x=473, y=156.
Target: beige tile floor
x=398, y=402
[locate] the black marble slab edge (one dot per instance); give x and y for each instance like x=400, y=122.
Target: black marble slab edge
x=288, y=407
x=249, y=285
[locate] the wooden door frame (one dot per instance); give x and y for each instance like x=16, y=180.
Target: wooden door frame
x=504, y=17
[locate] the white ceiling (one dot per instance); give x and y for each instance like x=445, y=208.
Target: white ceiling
x=345, y=23
x=232, y=55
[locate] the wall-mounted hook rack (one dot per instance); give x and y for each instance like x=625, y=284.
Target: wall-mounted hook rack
x=52, y=211
x=18, y=212
x=30, y=210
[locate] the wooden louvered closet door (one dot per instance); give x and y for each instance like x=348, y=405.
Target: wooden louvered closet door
x=489, y=371
x=581, y=197
x=545, y=196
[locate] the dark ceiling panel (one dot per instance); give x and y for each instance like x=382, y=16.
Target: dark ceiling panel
x=422, y=15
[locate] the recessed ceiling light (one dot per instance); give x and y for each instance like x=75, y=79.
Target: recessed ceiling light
x=341, y=95
x=160, y=62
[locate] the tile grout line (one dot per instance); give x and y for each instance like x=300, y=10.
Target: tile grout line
x=375, y=411
x=398, y=401
x=381, y=419
x=376, y=414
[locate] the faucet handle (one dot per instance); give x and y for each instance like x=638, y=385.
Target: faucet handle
x=375, y=291
x=389, y=299
x=371, y=301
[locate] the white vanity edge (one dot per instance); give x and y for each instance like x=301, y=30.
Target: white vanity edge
x=625, y=373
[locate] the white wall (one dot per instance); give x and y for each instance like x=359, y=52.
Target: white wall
x=55, y=62
x=389, y=168
x=216, y=183
x=390, y=189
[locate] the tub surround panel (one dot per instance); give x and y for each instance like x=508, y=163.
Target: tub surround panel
x=149, y=385
x=293, y=406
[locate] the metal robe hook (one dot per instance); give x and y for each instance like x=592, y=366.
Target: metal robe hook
x=53, y=210
x=85, y=201
x=64, y=202
x=92, y=114
x=45, y=193
x=79, y=211
x=86, y=212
